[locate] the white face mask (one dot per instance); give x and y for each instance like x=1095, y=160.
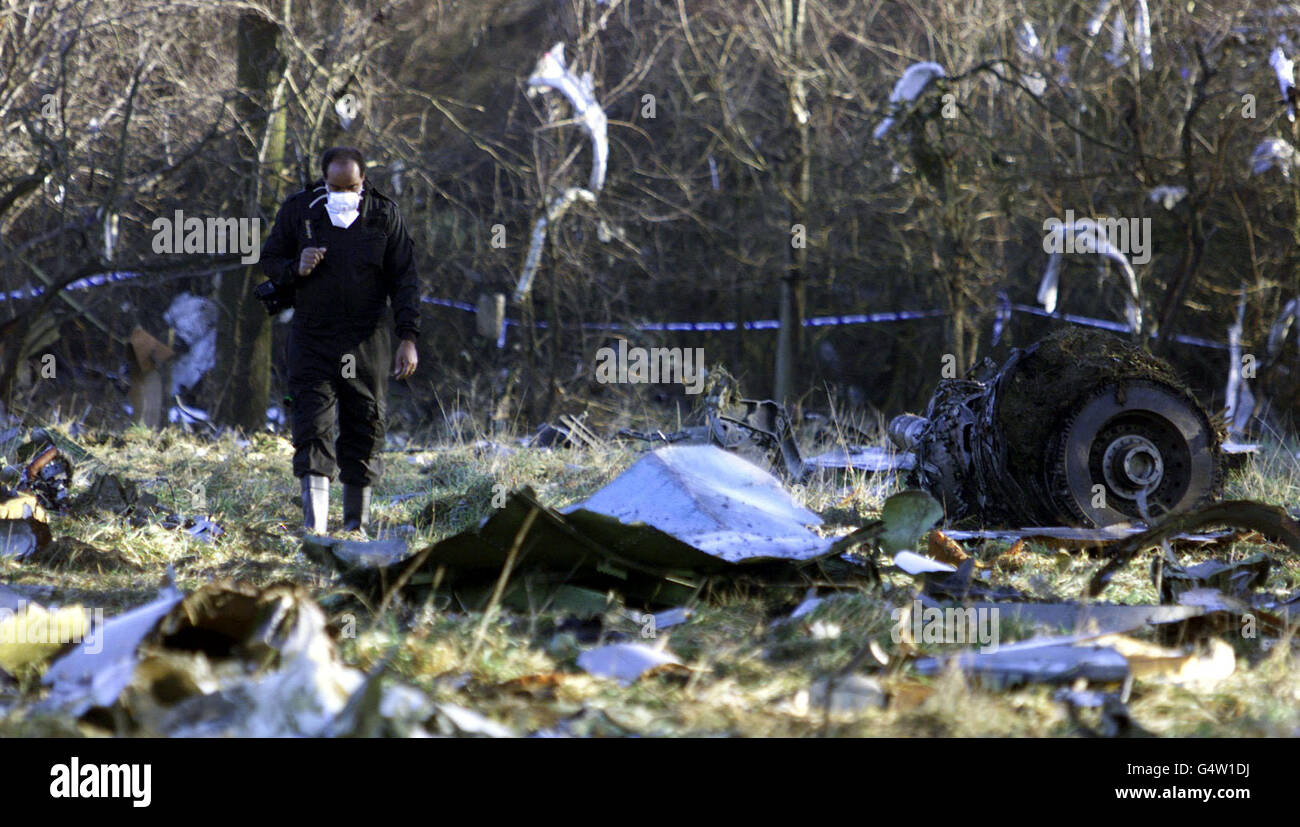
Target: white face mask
x=343, y=207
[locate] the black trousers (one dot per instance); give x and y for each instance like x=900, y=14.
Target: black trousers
x=348, y=367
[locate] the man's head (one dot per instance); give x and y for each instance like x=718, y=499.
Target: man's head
x=344, y=169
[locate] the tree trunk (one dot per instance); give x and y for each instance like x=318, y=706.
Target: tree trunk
x=790, y=339
x=244, y=330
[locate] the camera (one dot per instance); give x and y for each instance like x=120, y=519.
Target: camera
x=273, y=298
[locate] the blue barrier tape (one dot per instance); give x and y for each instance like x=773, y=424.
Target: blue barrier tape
x=833, y=321
x=696, y=327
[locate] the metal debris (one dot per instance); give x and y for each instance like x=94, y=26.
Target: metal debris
x=109, y=493
x=82, y=679
x=711, y=500
x=1268, y=520
x=1237, y=578
x=1079, y=429
x=679, y=517
x=1047, y=660
x=626, y=662
x=847, y=695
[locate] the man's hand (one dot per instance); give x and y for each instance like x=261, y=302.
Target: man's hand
x=406, y=360
x=310, y=257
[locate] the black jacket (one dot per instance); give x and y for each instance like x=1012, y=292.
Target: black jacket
x=365, y=265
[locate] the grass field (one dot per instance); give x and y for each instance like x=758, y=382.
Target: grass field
x=751, y=671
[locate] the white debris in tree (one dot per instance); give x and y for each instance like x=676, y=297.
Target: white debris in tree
x=1273, y=152
x=909, y=87
x=1240, y=400
x=713, y=173
x=1142, y=34
x=194, y=319
x=110, y=235
x=554, y=212
x=184, y=415
x=1098, y=18
x=1167, y=195
x=1284, y=68
x=1089, y=237
x=1117, y=56
x=1028, y=44
x=1027, y=40
x=1282, y=326
x=346, y=107
x=1002, y=317
x=552, y=73
x=395, y=176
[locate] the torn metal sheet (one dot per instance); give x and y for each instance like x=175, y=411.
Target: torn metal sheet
x=457, y=720
x=1084, y=537
x=1081, y=618
x=382, y=709
x=24, y=525
x=580, y=550
x=224, y=660
x=83, y=678
x=1226, y=612
x=1268, y=520
x=17, y=539
x=625, y=662
x=671, y=617
x=302, y=697
x=552, y=73
x=355, y=554
x=679, y=515
x=713, y=501
x=914, y=563
x=847, y=695
x=1238, y=578
x=870, y=458
x=1036, y=662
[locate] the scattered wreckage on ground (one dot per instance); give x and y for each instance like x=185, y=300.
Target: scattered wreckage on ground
x=1030, y=444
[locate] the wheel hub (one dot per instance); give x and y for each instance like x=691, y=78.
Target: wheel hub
x=1134, y=445
x=1132, y=464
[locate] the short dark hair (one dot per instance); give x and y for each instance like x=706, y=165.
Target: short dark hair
x=342, y=153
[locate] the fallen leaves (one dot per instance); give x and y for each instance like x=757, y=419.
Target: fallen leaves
x=945, y=550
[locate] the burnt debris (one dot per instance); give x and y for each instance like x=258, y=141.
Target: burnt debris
x=1081, y=428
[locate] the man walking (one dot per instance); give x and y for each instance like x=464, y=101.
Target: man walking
x=342, y=250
